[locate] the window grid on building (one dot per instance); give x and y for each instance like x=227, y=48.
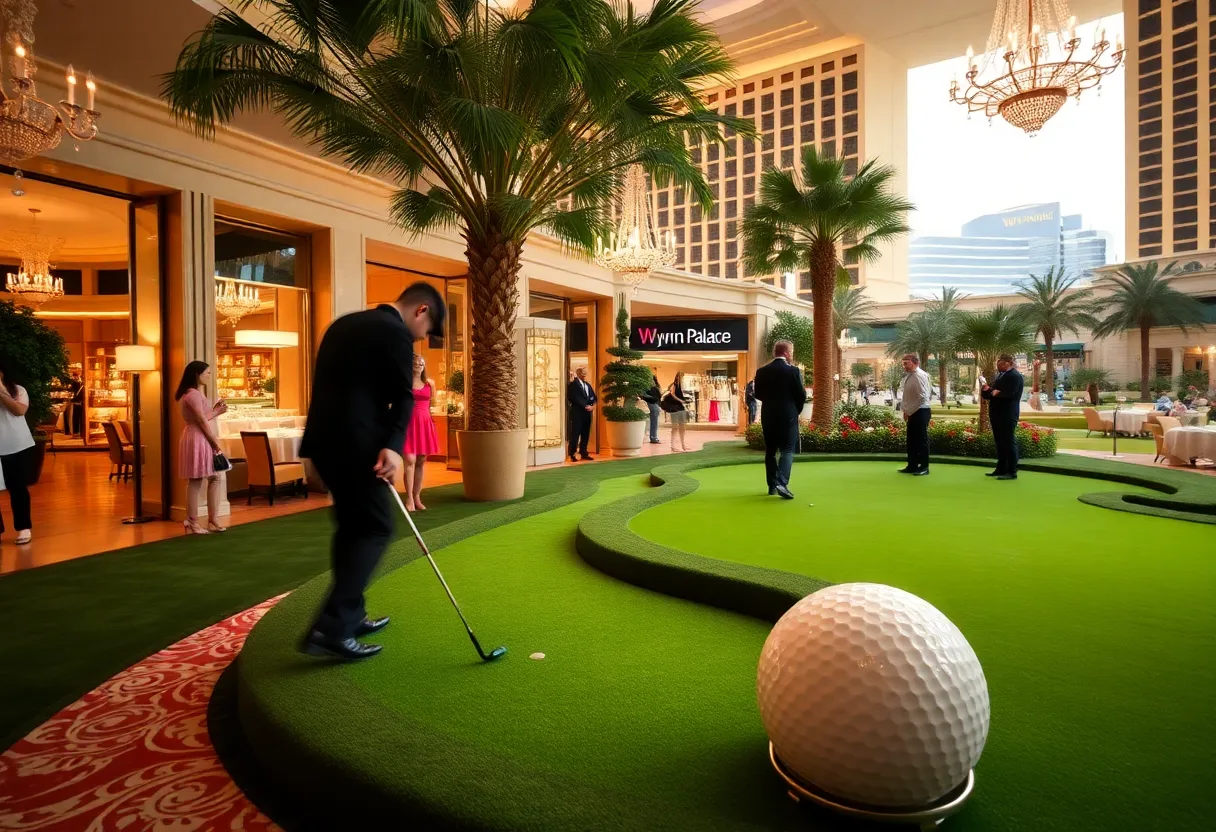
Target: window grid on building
x=816, y=102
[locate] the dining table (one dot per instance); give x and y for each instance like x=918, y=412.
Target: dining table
x=1187, y=444
x=284, y=445
x=1127, y=421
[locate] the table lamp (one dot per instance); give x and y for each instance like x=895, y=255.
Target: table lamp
x=136, y=359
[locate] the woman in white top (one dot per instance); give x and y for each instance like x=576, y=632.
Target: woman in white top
x=16, y=451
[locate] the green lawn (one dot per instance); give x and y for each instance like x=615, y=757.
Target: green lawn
x=643, y=715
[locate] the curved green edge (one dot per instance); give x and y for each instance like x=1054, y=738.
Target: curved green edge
x=339, y=775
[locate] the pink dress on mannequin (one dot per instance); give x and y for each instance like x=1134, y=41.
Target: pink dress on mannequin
x=194, y=454
x=421, y=438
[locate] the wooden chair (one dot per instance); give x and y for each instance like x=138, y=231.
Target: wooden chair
x=1158, y=433
x=264, y=472
x=122, y=457
x=1095, y=422
x=1168, y=423
x=1152, y=418
x=124, y=432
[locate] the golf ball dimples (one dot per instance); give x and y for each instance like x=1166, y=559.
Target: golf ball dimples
x=872, y=695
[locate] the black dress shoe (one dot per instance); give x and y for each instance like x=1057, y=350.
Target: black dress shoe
x=923, y=472
x=784, y=493
x=371, y=625
x=1007, y=477
x=907, y=470
x=345, y=649
x=993, y=474
x=772, y=492
x=573, y=458
x=588, y=458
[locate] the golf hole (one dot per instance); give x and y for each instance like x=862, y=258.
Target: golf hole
x=537, y=656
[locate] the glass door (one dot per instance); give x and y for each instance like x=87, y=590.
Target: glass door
x=146, y=243
x=457, y=365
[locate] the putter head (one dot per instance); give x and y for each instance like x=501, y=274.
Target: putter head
x=498, y=653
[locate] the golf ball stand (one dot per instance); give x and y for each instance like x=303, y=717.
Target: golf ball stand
x=925, y=817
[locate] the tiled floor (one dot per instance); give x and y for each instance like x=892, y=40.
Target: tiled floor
x=78, y=511
x=1143, y=459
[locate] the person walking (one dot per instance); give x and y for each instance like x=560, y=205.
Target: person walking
x=652, y=397
x=361, y=408
x=780, y=388
x=197, y=447
x=16, y=452
x=1004, y=397
x=581, y=399
x=676, y=406
x=421, y=438
x=917, y=412
x=749, y=398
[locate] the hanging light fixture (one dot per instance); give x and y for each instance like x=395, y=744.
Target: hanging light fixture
x=30, y=126
x=34, y=282
x=635, y=250
x=1031, y=64
x=234, y=301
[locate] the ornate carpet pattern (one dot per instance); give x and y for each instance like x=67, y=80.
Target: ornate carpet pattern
x=134, y=754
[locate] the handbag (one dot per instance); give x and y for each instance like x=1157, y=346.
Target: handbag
x=221, y=463
x=671, y=404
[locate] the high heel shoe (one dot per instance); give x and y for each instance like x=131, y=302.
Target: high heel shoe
x=419, y=506
x=192, y=527
x=215, y=527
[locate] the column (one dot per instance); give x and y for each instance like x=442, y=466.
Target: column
x=1176, y=362
x=605, y=336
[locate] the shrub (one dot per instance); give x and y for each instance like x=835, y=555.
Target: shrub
x=798, y=330
x=36, y=357
x=1191, y=383
x=624, y=382
x=456, y=382
x=946, y=438
x=864, y=414
x=1156, y=386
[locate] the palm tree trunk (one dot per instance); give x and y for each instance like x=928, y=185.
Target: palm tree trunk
x=493, y=388
x=987, y=372
x=941, y=378
x=839, y=372
x=1049, y=351
x=823, y=287
x=1144, y=364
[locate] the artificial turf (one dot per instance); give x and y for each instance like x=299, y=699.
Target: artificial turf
x=1096, y=629
x=642, y=715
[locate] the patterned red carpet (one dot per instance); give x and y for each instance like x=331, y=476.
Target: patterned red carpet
x=134, y=754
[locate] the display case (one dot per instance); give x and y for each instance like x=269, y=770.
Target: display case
x=246, y=377
x=106, y=395
x=541, y=350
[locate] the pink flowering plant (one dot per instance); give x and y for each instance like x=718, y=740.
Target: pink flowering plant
x=946, y=438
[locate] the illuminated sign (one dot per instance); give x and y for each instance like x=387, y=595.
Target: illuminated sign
x=675, y=335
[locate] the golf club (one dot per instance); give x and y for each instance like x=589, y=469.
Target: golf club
x=497, y=652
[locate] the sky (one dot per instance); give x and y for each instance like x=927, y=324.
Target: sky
x=959, y=169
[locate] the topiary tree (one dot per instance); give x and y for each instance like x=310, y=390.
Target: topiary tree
x=861, y=370
x=624, y=382
x=456, y=383
x=35, y=355
x=798, y=330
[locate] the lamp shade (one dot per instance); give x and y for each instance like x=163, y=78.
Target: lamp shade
x=267, y=338
x=134, y=358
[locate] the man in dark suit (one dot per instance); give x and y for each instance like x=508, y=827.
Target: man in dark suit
x=361, y=405
x=581, y=399
x=779, y=387
x=1004, y=397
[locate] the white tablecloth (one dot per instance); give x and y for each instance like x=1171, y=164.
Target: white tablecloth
x=284, y=445
x=1194, y=418
x=234, y=427
x=1191, y=443
x=1127, y=421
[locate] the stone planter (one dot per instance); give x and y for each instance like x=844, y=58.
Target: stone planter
x=493, y=464
x=626, y=438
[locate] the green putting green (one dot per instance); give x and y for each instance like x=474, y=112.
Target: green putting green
x=1096, y=629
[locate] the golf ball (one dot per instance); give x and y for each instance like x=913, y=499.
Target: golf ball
x=872, y=695
x=537, y=656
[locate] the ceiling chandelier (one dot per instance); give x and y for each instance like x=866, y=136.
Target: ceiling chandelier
x=234, y=301
x=634, y=249
x=30, y=126
x=1032, y=59
x=34, y=282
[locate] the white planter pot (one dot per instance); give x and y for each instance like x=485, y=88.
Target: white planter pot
x=493, y=464
x=626, y=438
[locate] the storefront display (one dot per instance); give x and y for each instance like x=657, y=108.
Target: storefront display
x=541, y=348
x=711, y=353
x=246, y=377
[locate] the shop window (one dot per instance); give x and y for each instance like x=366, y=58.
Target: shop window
x=258, y=255
x=112, y=282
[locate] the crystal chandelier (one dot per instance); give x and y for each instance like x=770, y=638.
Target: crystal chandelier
x=34, y=282
x=1032, y=57
x=30, y=126
x=234, y=301
x=634, y=250
x=846, y=341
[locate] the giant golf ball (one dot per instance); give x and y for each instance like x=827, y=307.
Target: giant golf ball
x=872, y=695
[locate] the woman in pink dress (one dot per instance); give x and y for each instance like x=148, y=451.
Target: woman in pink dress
x=198, y=446
x=421, y=439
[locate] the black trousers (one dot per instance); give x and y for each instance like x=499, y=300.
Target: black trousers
x=17, y=468
x=580, y=431
x=918, y=439
x=1006, y=445
x=780, y=443
x=363, y=517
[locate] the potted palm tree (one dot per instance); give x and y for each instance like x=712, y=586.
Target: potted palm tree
x=817, y=220
x=493, y=122
x=1143, y=298
x=987, y=334
x=38, y=358
x=623, y=384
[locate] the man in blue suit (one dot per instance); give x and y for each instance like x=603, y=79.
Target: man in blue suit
x=1004, y=397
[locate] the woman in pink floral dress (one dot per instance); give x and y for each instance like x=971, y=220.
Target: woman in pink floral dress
x=421, y=438
x=198, y=446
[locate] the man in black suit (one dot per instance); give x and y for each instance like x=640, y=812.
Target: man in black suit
x=361, y=405
x=580, y=397
x=1004, y=397
x=779, y=387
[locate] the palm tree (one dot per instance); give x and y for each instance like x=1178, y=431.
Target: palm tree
x=1143, y=298
x=807, y=221
x=945, y=309
x=924, y=334
x=487, y=120
x=987, y=334
x=854, y=311
x=1054, y=308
